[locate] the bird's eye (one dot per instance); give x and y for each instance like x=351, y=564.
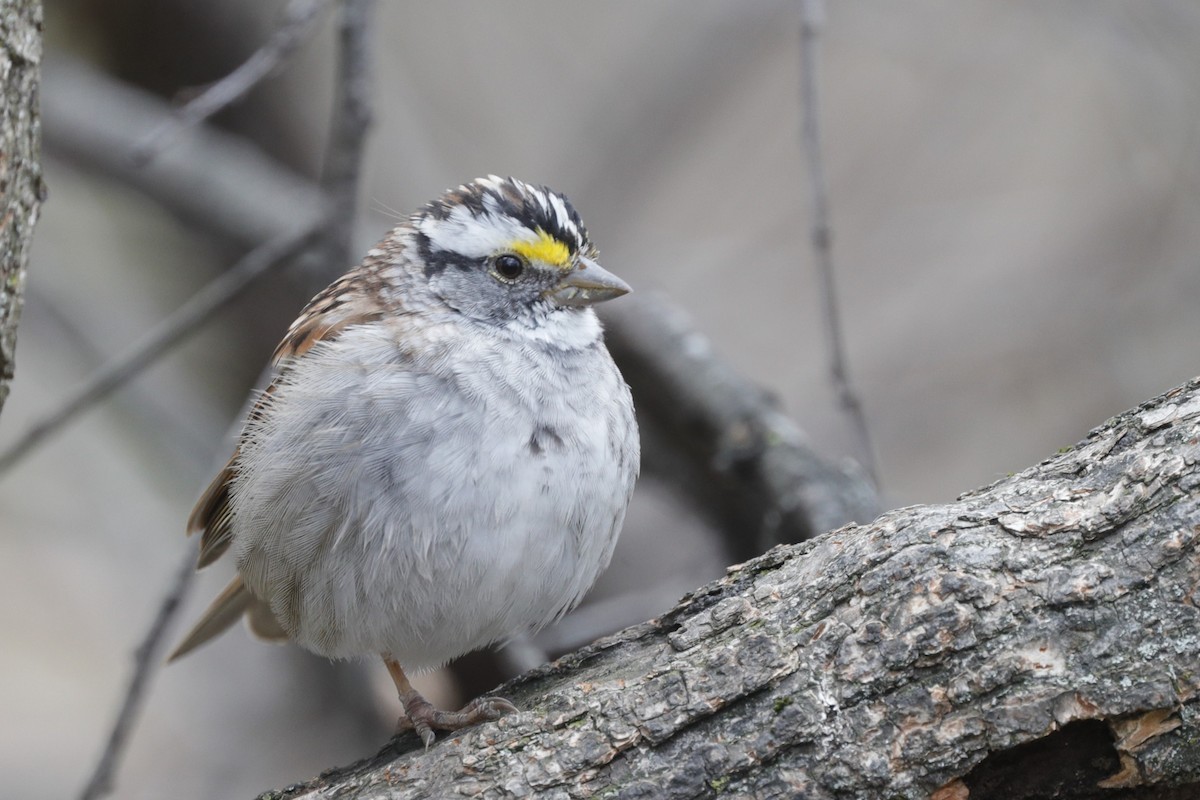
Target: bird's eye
x=509, y=267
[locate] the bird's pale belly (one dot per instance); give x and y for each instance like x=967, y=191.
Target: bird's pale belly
x=425, y=608
x=363, y=554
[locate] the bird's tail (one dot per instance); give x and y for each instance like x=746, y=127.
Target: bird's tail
x=234, y=601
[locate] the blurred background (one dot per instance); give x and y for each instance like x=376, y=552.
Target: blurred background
x=1015, y=190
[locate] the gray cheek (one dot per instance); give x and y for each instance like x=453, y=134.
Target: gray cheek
x=472, y=291
x=466, y=289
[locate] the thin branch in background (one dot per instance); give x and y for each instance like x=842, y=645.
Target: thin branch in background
x=198, y=310
x=299, y=19
x=349, y=123
x=812, y=17
x=147, y=655
x=163, y=422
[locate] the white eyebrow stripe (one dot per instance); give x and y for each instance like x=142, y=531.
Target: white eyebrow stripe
x=471, y=236
x=534, y=209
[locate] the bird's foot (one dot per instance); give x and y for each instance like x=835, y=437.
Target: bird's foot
x=421, y=716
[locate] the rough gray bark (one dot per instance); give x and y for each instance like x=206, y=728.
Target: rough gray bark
x=1037, y=638
x=20, y=164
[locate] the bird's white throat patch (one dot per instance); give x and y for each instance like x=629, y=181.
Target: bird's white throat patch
x=565, y=329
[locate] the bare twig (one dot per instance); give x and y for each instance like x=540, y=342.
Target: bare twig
x=198, y=309
x=812, y=17
x=162, y=421
x=299, y=18
x=145, y=659
x=349, y=123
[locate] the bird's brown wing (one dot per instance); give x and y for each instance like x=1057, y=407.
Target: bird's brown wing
x=210, y=517
x=351, y=300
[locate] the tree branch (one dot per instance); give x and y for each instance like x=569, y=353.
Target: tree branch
x=214, y=181
x=198, y=309
x=21, y=187
x=723, y=440
x=812, y=17
x=1037, y=634
x=349, y=123
x=299, y=18
x=145, y=659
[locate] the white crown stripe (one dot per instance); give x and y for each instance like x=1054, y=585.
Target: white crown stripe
x=485, y=217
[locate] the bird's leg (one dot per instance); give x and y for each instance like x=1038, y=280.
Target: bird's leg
x=421, y=716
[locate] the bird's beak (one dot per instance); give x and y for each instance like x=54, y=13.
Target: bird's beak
x=587, y=284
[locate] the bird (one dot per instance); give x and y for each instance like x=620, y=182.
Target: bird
x=444, y=455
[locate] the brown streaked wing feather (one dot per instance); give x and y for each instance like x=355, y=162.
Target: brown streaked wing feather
x=353, y=299
x=217, y=536
x=344, y=303
x=350, y=300
x=212, y=499
x=211, y=517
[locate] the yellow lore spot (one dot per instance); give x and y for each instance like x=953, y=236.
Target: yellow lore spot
x=544, y=248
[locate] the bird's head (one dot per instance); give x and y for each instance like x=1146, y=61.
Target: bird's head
x=504, y=251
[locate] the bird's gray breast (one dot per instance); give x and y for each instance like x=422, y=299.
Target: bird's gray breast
x=427, y=507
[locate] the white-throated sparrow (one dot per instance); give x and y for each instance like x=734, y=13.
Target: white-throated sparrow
x=445, y=454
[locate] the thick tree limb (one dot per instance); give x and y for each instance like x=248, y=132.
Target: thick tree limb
x=723, y=439
x=1039, y=637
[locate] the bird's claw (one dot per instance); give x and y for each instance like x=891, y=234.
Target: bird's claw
x=422, y=717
